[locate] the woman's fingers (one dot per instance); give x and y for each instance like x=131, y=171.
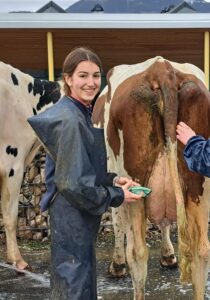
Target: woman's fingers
x=184, y=132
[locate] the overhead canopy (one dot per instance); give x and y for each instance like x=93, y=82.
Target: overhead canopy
x=117, y=38
x=100, y=20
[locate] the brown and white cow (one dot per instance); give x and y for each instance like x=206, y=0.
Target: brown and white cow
x=21, y=96
x=139, y=110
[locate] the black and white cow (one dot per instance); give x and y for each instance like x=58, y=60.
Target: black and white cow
x=21, y=96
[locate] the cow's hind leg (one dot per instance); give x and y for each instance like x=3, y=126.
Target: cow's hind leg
x=11, y=184
x=200, y=250
x=117, y=267
x=136, y=249
x=168, y=259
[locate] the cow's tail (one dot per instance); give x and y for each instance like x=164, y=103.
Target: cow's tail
x=185, y=256
x=170, y=115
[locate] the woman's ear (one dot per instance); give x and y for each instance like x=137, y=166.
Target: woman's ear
x=68, y=79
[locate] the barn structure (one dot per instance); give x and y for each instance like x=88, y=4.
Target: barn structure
x=38, y=43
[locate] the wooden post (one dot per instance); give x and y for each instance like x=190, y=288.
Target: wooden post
x=50, y=56
x=206, y=57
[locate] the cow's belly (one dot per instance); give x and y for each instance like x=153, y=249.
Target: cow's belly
x=161, y=203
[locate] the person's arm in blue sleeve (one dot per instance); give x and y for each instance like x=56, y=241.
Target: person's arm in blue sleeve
x=75, y=176
x=197, y=155
x=197, y=149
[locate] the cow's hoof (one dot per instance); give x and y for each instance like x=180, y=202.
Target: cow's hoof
x=20, y=270
x=117, y=270
x=27, y=268
x=169, y=262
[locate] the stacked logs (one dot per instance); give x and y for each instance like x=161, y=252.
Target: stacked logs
x=32, y=224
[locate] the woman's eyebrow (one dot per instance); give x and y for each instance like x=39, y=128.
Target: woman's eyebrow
x=85, y=72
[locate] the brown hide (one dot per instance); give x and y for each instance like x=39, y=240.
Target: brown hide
x=136, y=109
x=147, y=107
x=194, y=105
x=98, y=113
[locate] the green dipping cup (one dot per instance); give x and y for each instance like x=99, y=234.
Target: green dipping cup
x=138, y=189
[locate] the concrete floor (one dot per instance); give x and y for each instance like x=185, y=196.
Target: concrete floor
x=161, y=284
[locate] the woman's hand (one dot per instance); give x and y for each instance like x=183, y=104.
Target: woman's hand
x=184, y=133
x=119, y=181
x=128, y=196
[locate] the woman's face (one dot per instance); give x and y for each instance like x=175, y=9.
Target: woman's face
x=85, y=82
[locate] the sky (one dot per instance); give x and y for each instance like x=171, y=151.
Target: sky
x=33, y=5
x=30, y=5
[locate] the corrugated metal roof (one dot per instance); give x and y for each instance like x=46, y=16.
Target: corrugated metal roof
x=94, y=20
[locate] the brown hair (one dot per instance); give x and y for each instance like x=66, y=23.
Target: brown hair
x=72, y=60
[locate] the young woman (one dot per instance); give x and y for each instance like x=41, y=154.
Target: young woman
x=77, y=171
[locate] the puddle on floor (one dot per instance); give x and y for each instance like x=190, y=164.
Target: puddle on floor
x=161, y=284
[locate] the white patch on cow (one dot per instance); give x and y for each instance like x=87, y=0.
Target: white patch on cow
x=189, y=69
x=21, y=90
x=123, y=72
x=116, y=164
x=104, y=91
x=98, y=125
x=106, y=120
x=25, y=100
x=206, y=191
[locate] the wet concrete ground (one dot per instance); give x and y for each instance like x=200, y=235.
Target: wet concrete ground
x=161, y=284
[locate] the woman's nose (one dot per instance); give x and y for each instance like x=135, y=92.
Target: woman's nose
x=91, y=81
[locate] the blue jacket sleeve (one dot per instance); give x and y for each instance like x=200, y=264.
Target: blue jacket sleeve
x=197, y=155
